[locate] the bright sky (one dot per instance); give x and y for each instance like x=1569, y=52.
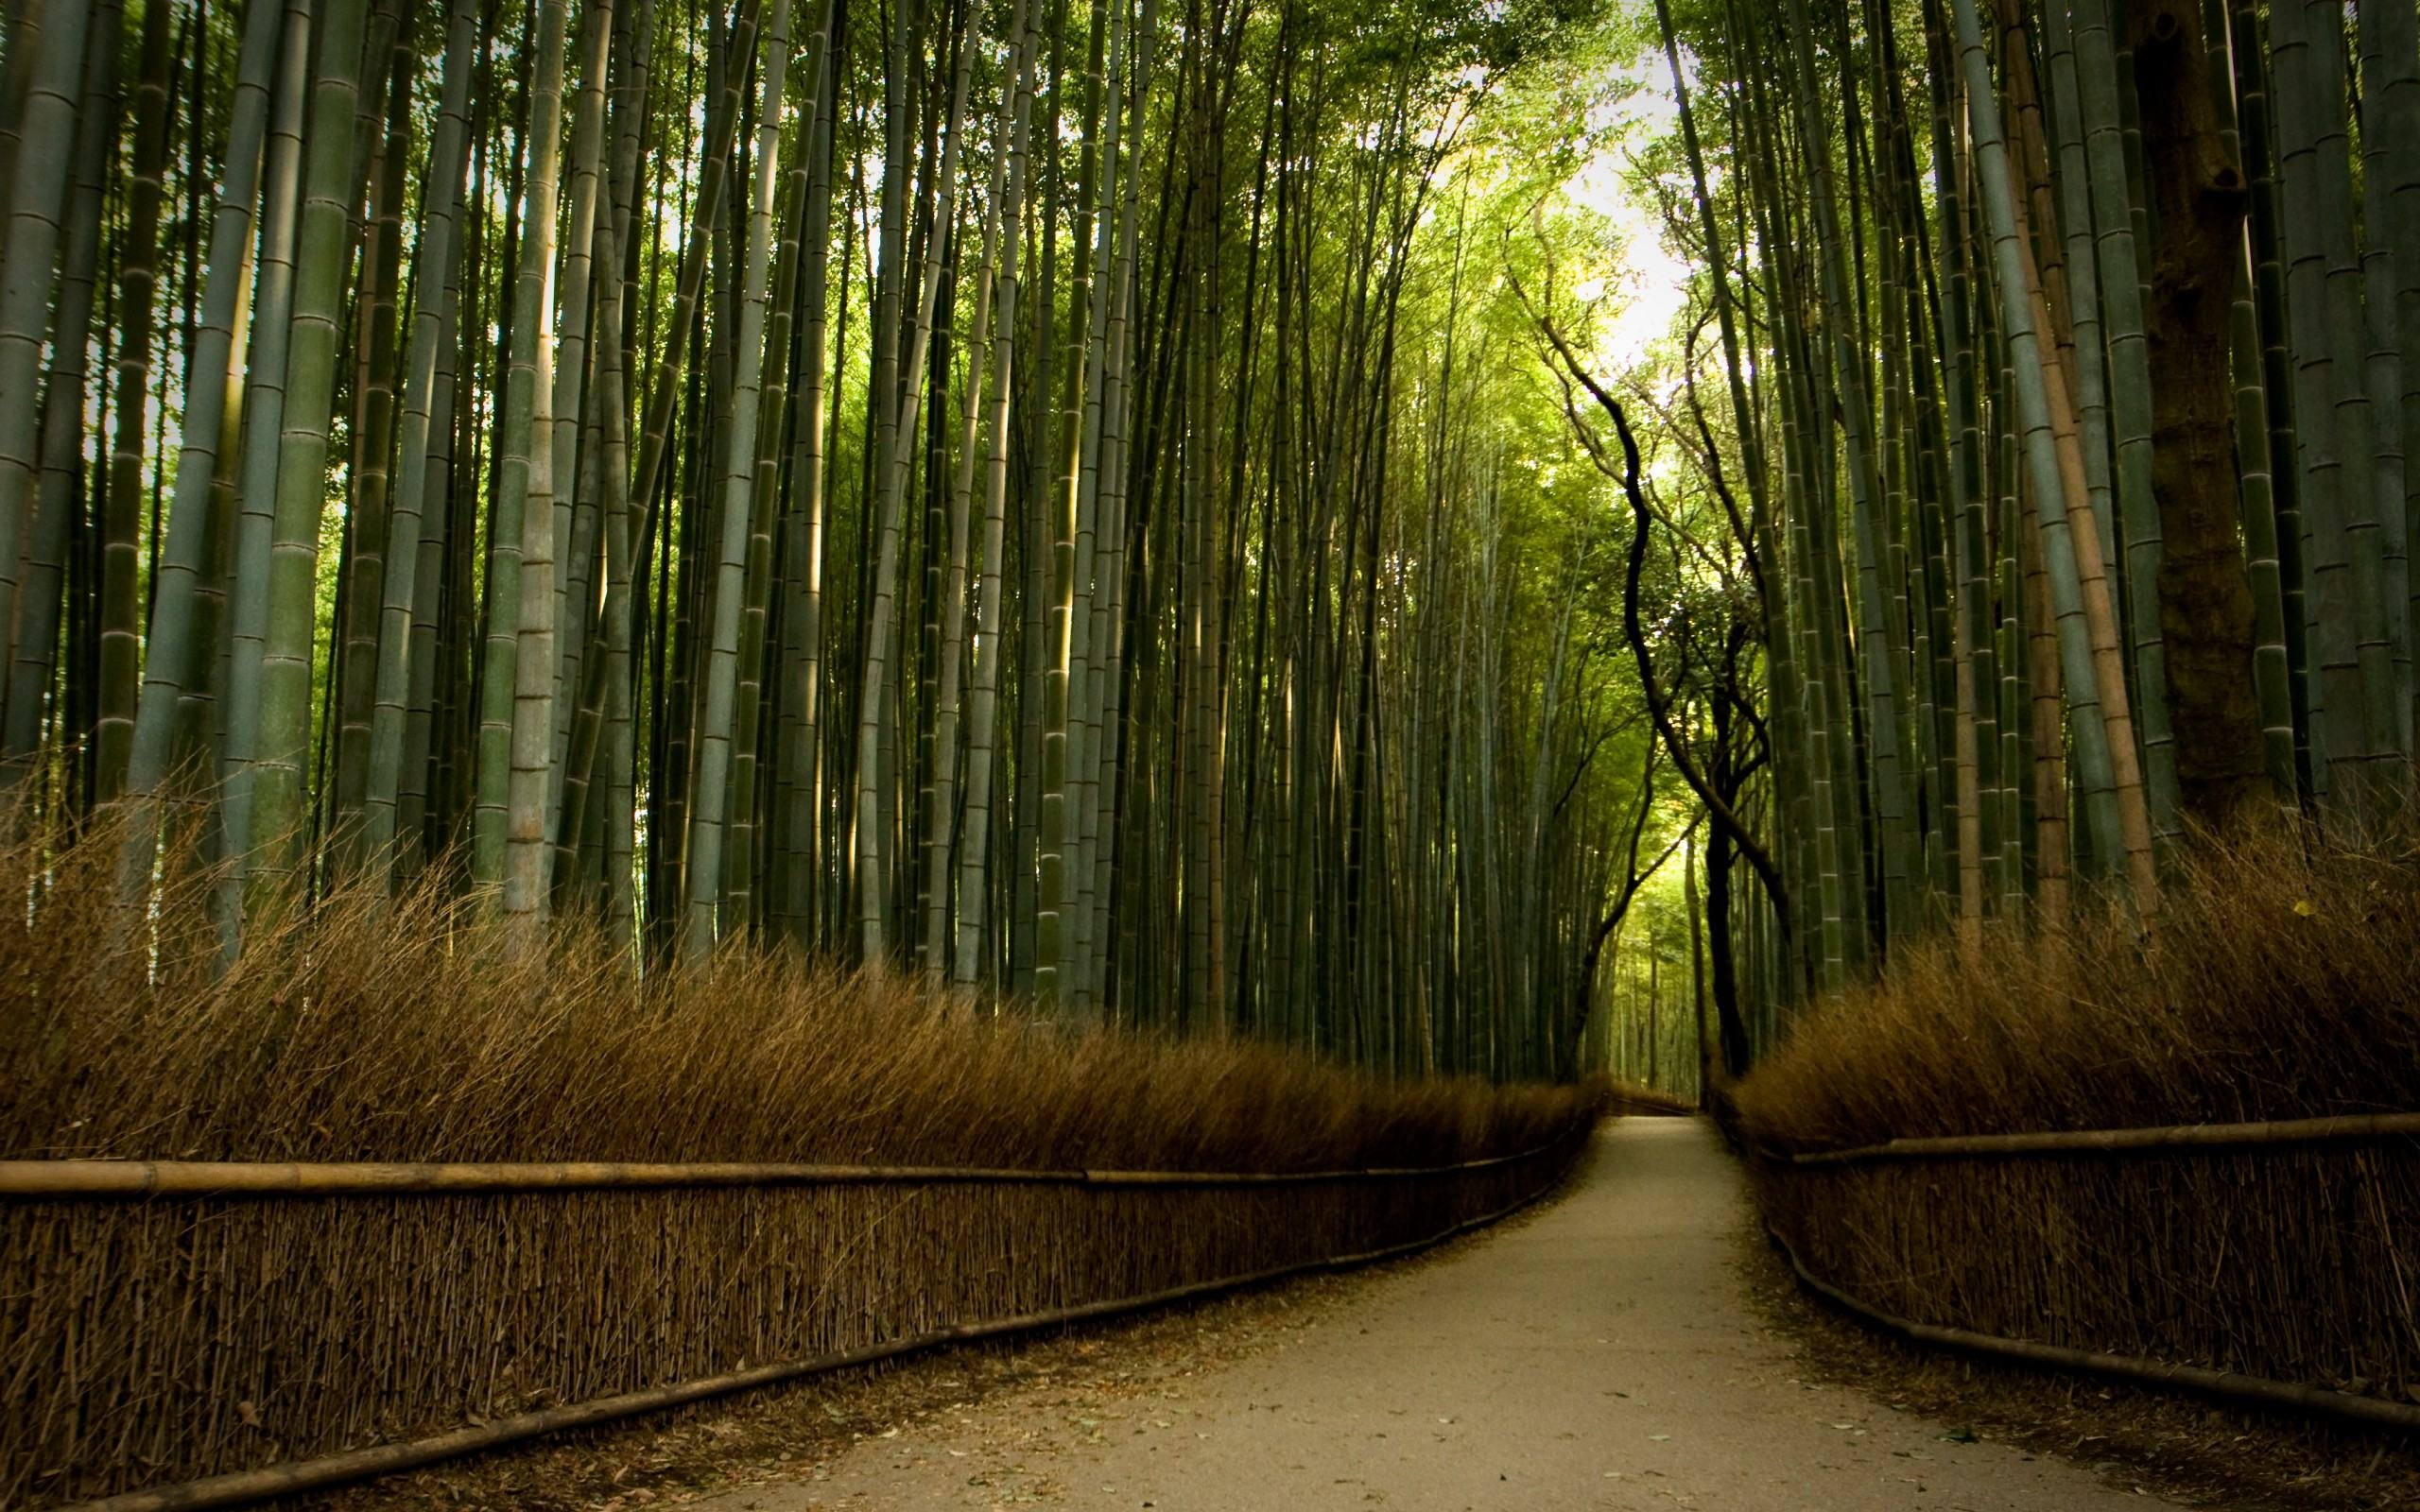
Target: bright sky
x=1652, y=289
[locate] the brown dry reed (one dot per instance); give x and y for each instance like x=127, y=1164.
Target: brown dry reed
x=2279, y=983
x=412, y=1031
x=143, y=1343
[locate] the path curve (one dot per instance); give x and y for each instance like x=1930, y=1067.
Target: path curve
x=1599, y=1356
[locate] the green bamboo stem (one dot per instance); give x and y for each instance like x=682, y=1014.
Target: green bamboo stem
x=2389, y=86
x=407, y=518
x=510, y=850
x=262, y=419
x=983, y=707
x=34, y=663
x=576, y=522
x=2117, y=261
x=1066, y=618
x=2099, y=720
x=700, y=900
x=138, y=278
x=2130, y=395
x=2339, y=467
x=798, y=816
x=280, y=812
x=38, y=193
x=882, y=609
x=212, y=427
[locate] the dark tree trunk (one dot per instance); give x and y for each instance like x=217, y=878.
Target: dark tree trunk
x=2198, y=204
x=1729, y=1028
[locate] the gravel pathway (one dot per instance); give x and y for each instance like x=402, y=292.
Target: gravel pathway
x=1598, y=1354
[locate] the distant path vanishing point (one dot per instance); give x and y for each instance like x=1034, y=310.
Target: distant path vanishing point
x=1598, y=1355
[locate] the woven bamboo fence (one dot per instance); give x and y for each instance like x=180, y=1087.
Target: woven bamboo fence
x=166, y=1323
x=2276, y=1263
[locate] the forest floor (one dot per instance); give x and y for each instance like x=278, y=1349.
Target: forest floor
x=1630, y=1345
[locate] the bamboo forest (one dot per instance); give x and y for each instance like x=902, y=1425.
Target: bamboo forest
x=695, y=693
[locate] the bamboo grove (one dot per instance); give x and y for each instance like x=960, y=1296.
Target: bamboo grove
x=1012, y=490
x=2042, y=432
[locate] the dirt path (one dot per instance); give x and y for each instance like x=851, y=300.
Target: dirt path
x=1598, y=1355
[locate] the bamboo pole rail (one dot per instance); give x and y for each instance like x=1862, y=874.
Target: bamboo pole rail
x=2227, y=1385
x=2116, y=1141
x=243, y=1488
x=89, y=1179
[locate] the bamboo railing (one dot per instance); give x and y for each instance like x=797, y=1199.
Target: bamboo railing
x=89, y=1178
x=2347, y=1129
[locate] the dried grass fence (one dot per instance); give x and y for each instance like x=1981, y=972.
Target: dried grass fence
x=2276, y=1270
x=2189, y=1160
x=165, y=1339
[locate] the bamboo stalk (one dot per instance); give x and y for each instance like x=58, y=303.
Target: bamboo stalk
x=39, y=184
